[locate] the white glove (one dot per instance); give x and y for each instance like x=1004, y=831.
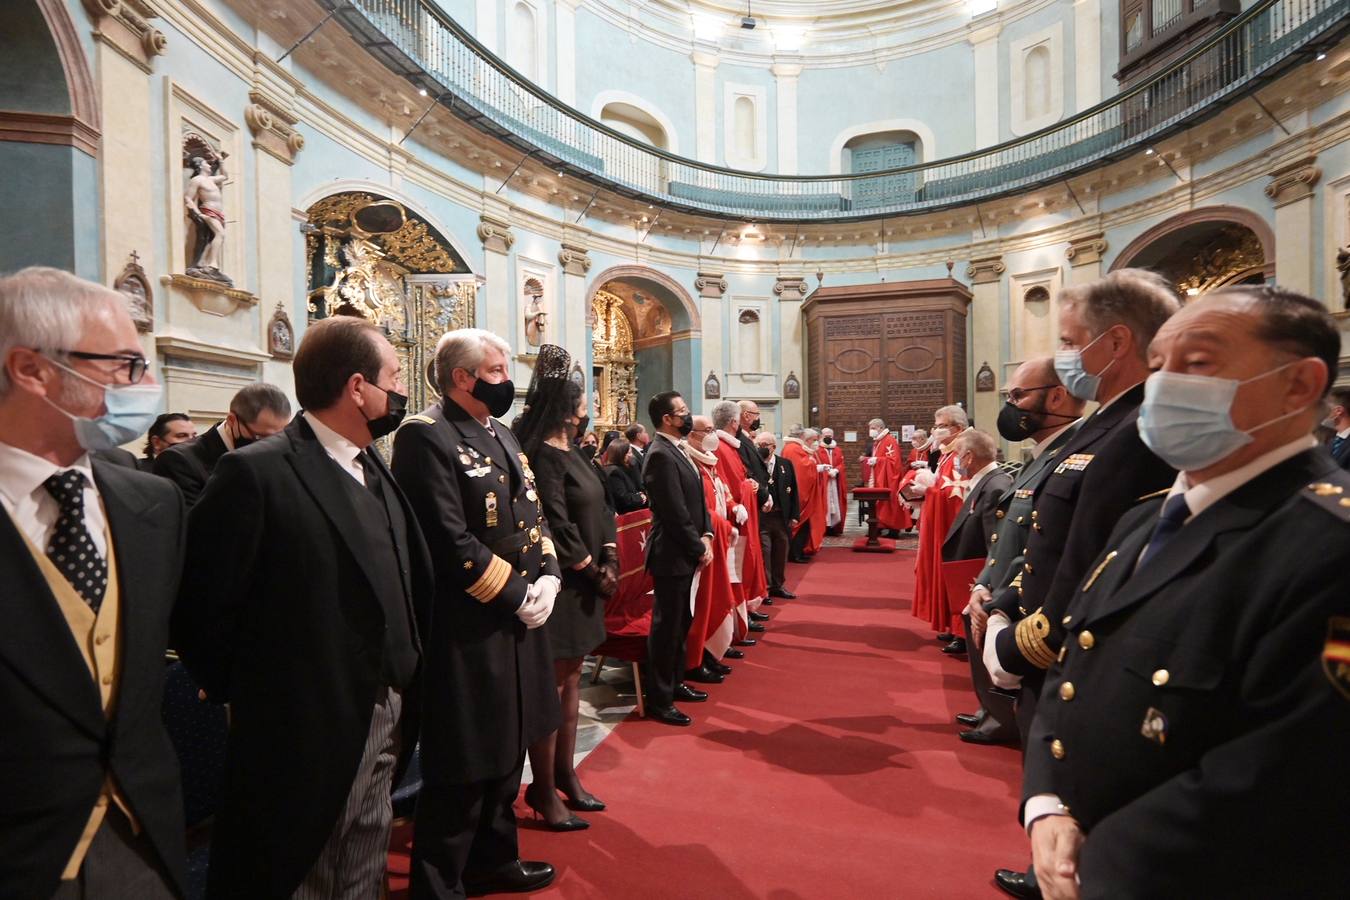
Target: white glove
x=821, y=467
x=741, y=515
x=871, y=460
x=833, y=472
x=538, y=603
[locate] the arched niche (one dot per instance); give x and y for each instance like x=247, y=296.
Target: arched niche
x=1204, y=249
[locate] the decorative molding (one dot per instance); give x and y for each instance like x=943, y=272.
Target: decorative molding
x=792, y=287
x=273, y=127
x=140, y=295
x=574, y=259
x=711, y=286
x=124, y=25
x=986, y=269
x=1221, y=213
x=211, y=297
x=1294, y=182
x=1086, y=250
x=84, y=102
x=495, y=234
x=48, y=128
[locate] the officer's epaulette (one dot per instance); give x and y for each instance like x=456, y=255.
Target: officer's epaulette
x=1332, y=493
x=417, y=417
x=1153, y=496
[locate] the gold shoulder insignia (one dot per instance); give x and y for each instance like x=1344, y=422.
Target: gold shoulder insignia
x=1336, y=654
x=1030, y=634
x=1163, y=493
x=417, y=417
x=1332, y=494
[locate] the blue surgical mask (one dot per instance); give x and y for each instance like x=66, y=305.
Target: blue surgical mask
x=1077, y=380
x=1186, y=420
x=131, y=410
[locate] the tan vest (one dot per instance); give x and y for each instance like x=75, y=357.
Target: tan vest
x=100, y=641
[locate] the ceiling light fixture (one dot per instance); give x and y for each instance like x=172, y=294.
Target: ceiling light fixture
x=1321, y=54
x=1148, y=151
x=748, y=20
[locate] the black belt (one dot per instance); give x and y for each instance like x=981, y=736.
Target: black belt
x=516, y=543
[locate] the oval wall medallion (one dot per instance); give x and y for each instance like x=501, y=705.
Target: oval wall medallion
x=862, y=361
x=915, y=359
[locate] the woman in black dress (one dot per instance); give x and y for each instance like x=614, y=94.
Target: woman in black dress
x=625, y=484
x=582, y=523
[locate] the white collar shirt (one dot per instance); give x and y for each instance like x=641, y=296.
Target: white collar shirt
x=33, y=508
x=339, y=449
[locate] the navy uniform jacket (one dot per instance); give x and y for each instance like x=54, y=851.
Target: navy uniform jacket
x=1198, y=724
x=488, y=681
x=975, y=529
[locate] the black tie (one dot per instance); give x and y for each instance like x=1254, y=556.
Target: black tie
x=1174, y=514
x=1336, y=443
x=71, y=549
x=372, y=474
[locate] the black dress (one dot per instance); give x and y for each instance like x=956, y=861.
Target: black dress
x=582, y=522
x=625, y=489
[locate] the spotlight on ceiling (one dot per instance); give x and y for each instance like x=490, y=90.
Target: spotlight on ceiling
x=1321, y=55
x=748, y=20
x=1148, y=152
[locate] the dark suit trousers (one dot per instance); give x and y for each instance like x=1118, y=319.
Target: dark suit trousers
x=1026, y=705
x=773, y=540
x=463, y=829
x=120, y=865
x=671, y=619
x=996, y=706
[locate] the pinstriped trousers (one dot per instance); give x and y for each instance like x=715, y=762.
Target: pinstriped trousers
x=352, y=864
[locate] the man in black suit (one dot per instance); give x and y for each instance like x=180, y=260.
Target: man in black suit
x=307, y=583
x=777, y=517
x=1338, y=419
x=680, y=545
x=169, y=429
x=974, y=530
x=90, y=556
x=1105, y=329
x=1191, y=740
x=489, y=689
x=257, y=411
x=638, y=439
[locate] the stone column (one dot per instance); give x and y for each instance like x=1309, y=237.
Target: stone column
x=1087, y=53
x=565, y=49
x=497, y=240
x=1085, y=254
x=711, y=287
x=786, y=93
x=985, y=44
x=705, y=104
x=986, y=310
x=575, y=262
x=791, y=291
x=1291, y=187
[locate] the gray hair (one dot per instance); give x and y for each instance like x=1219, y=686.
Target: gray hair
x=253, y=399
x=876, y=423
x=726, y=414
x=765, y=437
x=47, y=309
x=810, y=433
x=465, y=349
x=796, y=431
x=1139, y=299
x=977, y=442
x=955, y=413
x=918, y=434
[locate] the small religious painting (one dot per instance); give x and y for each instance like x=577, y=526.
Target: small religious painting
x=280, y=334
x=906, y=433
x=984, y=379
x=577, y=375
x=792, y=388
x=140, y=296
x=850, y=437
x=712, y=387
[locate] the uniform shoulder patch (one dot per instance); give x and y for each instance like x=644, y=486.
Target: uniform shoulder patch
x=417, y=417
x=1332, y=493
x=1153, y=496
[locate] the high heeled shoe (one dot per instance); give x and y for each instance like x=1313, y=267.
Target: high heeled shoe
x=571, y=823
x=584, y=804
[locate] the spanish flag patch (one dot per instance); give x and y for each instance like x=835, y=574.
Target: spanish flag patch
x=1336, y=653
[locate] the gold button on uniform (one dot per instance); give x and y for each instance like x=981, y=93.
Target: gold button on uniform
x=107, y=679
x=993, y=539
x=1066, y=620
x=1026, y=567
x=1160, y=677
x=523, y=573
x=998, y=514
x=501, y=479
x=1063, y=651
x=1066, y=691
x=1021, y=519
x=1057, y=748
x=1086, y=640
x=520, y=525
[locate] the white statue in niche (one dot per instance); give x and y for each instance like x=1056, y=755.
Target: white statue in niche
x=204, y=200
x=622, y=414
x=536, y=319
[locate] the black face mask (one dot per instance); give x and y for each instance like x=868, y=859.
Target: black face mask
x=827, y=441
x=1019, y=424
x=766, y=452
x=582, y=426
x=242, y=440
x=587, y=451
x=496, y=397
x=754, y=426
x=686, y=424
x=389, y=422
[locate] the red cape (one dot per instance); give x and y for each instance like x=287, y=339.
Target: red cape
x=833, y=456
x=940, y=505
x=809, y=494
x=891, y=513
x=729, y=466
x=713, y=601
x=754, y=584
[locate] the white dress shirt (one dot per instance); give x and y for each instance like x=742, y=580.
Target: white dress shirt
x=975, y=479
x=33, y=509
x=339, y=449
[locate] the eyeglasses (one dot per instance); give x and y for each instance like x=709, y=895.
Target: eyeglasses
x=1017, y=395
x=136, y=364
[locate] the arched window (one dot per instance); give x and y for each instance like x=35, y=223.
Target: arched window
x=521, y=50
x=1036, y=97
x=636, y=123
x=878, y=152
x=748, y=341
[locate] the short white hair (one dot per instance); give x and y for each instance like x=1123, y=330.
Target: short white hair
x=809, y=434
x=796, y=431
x=47, y=309
x=977, y=442
x=725, y=414
x=764, y=438
x=876, y=423
x=956, y=414
x=465, y=349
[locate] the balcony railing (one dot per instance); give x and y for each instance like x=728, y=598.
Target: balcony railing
x=418, y=41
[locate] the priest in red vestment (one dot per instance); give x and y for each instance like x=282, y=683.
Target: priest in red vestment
x=711, y=632
x=916, y=477
x=830, y=455
x=811, y=522
x=746, y=566
x=942, y=501
x=885, y=471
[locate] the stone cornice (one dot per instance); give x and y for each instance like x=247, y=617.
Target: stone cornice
x=124, y=25
x=790, y=288
x=273, y=127
x=1086, y=249
x=1293, y=182
x=574, y=259
x=495, y=234
x=710, y=286
x=986, y=269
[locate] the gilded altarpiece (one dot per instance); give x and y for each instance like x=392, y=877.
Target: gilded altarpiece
x=615, y=381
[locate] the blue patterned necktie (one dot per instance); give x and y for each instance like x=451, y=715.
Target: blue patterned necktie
x=71, y=548
x=1174, y=514
x=1336, y=443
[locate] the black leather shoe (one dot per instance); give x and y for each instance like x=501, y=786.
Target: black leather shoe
x=767, y=601
x=704, y=675
x=784, y=593
x=717, y=667
x=970, y=720
x=798, y=559
x=746, y=642
x=957, y=646
x=513, y=878
x=1015, y=884
x=946, y=636
x=689, y=694
x=668, y=714
x=733, y=653
x=756, y=626
x=986, y=738
x=758, y=616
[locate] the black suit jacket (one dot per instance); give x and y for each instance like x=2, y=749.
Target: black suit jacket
x=56, y=747
x=118, y=457
x=1205, y=698
x=679, y=511
x=976, y=524
x=1343, y=456
x=639, y=457
x=191, y=463
x=279, y=616
x=754, y=464
x=625, y=488
x=781, y=485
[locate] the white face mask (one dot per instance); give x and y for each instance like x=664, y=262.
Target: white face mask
x=873, y=433
x=710, y=443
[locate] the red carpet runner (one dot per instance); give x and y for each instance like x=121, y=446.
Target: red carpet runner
x=827, y=766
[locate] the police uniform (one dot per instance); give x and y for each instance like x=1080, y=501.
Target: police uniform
x=1197, y=725
x=1100, y=474
x=488, y=688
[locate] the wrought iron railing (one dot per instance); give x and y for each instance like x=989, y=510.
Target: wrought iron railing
x=418, y=41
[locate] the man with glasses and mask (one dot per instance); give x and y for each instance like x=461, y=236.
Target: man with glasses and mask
x=306, y=586
x=489, y=685
x=1191, y=740
x=90, y=557
x=257, y=411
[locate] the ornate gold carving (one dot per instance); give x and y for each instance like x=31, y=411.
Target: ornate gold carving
x=614, y=396
x=986, y=269
x=574, y=259
x=1234, y=255
x=414, y=245
x=1086, y=250
x=495, y=234
x=1294, y=182
x=273, y=127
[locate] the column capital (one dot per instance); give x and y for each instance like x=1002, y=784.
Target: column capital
x=1086, y=250
x=125, y=26
x=495, y=234
x=985, y=33
x=786, y=69
x=790, y=287
x=986, y=269
x=273, y=127
x=574, y=259
x=1293, y=182
x=711, y=286
x=707, y=59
